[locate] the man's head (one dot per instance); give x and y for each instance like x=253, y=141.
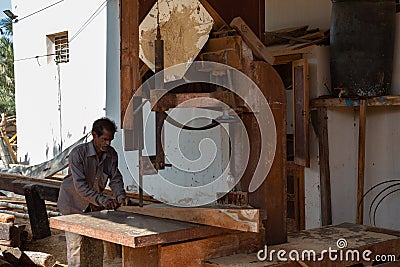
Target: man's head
x=103, y=131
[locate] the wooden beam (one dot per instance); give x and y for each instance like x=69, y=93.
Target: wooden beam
x=252, y=40
x=132, y=230
x=194, y=253
x=285, y=59
x=379, y=101
x=301, y=112
x=129, y=56
x=48, y=188
x=247, y=220
x=324, y=170
x=271, y=195
x=219, y=22
x=361, y=161
x=140, y=257
x=273, y=38
x=37, y=213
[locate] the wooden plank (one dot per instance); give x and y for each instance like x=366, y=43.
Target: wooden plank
x=311, y=37
x=271, y=195
x=297, y=172
x=195, y=253
x=223, y=43
x=285, y=59
x=361, y=161
x=281, y=50
x=226, y=57
x=358, y=238
x=132, y=230
x=324, y=170
x=112, y=251
x=140, y=257
x=48, y=188
x=272, y=38
x=92, y=252
x=383, y=231
x=129, y=56
x=219, y=22
x=379, y=101
x=4, y=263
x=6, y=230
x=37, y=213
x=252, y=40
x=7, y=218
x=236, y=199
x=247, y=220
x=301, y=112
x=302, y=199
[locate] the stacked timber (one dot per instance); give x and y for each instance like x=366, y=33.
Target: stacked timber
x=12, y=236
x=16, y=257
x=294, y=40
x=10, y=232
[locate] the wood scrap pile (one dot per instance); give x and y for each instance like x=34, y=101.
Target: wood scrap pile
x=12, y=238
x=11, y=233
x=294, y=40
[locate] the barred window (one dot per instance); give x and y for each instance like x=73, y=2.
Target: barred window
x=58, y=47
x=61, y=46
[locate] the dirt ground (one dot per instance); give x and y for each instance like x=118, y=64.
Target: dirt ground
x=54, y=244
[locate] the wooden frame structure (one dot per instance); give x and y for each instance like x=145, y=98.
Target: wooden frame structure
x=271, y=196
x=322, y=105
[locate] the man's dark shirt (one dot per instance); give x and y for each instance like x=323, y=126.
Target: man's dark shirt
x=87, y=178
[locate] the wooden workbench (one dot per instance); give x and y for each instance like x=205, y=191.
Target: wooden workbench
x=150, y=241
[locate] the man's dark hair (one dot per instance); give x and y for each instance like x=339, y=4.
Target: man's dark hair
x=104, y=123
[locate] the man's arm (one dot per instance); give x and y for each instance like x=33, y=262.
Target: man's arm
x=80, y=183
x=116, y=182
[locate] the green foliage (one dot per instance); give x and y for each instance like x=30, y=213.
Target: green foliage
x=7, y=83
x=6, y=26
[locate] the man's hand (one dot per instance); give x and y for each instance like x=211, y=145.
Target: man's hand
x=110, y=204
x=123, y=201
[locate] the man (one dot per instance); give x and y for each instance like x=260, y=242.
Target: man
x=91, y=165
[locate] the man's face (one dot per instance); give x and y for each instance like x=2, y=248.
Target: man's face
x=101, y=143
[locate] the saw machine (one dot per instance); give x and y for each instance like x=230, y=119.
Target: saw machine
x=236, y=48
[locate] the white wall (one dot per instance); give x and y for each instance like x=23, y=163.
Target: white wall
x=83, y=79
x=382, y=154
x=383, y=128
x=291, y=13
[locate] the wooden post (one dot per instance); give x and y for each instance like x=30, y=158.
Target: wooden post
x=271, y=195
x=92, y=252
x=37, y=213
x=129, y=57
x=361, y=160
x=324, y=171
x=140, y=257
